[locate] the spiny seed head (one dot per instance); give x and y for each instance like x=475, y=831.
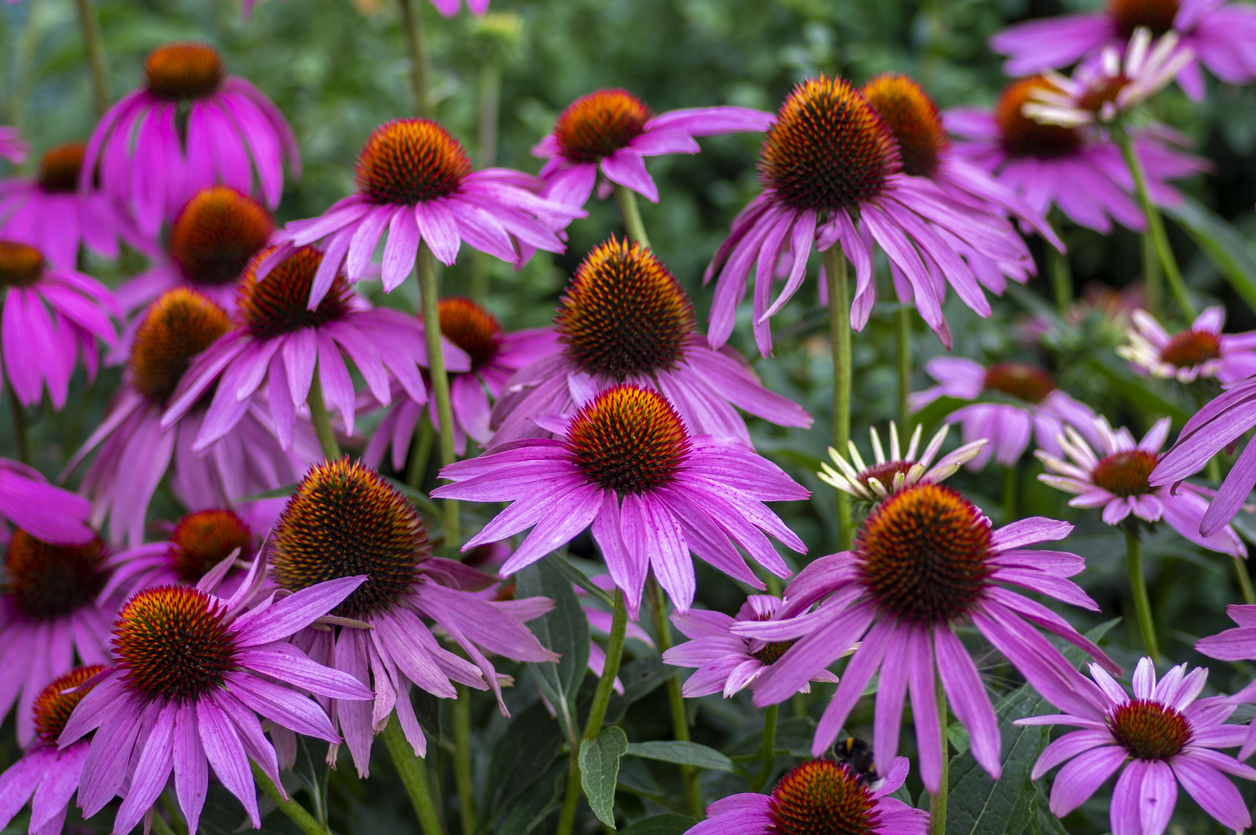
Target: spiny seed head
x=408, y=161
x=49, y=581
x=180, y=324
x=1156, y=15
x=53, y=706
x=203, y=539
x=471, y=328
x=1190, y=348
x=172, y=642
x=1021, y=380
x=828, y=149
x=20, y=265
x=628, y=439
x=913, y=118
x=884, y=473
x=623, y=313
x=216, y=235
x=280, y=303
x=772, y=653
x=1022, y=136
x=597, y=125
x=1148, y=730
x=343, y=521
x=922, y=554
x=1126, y=473
x=820, y=797
x=181, y=71
x=59, y=168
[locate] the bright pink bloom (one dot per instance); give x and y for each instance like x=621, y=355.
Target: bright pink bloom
x=49, y=513
x=12, y=147
x=1237, y=645
x=1199, y=352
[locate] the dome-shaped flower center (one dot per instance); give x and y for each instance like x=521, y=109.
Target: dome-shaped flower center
x=471, y=328
x=53, y=706
x=202, y=540
x=629, y=440
x=821, y=797
x=216, y=235
x=597, y=125
x=344, y=520
x=48, y=581
x=1191, y=348
x=183, y=71
x=408, y=161
x=279, y=303
x=885, y=473
x=828, y=149
x=771, y=653
x=1020, y=380
x=623, y=313
x=922, y=554
x=1156, y=15
x=172, y=642
x=1105, y=93
x=177, y=326
x=20, y=265
x=1149, y=730
x=59, y=169
x=913, y=118
x=1022, y=136
x=1125, y=473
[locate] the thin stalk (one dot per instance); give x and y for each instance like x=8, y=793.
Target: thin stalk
x=1245, y=580
x=416, y=45
x=769, y=748
x=160, y=826
x=627, y=200
x=19, y=424
x=839, y=327
x=320, y=419
x=440, y=380
x=176, y=814
x=571, y=798
x=902, y=330
x=937, y=802
x=462, y=759
x=1061, y=279
x=295, y=811
x=1153, y=279
x=1155, y=225
x=94, y=46
x=413, y=774
x=680, y=717
x=421, y=451
x=1142, y=603
x=490, y=98
x=1011, y=481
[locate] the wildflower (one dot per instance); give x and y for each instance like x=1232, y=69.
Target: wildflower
x=1199, y=352
x=886, y=476
x=1237, y=644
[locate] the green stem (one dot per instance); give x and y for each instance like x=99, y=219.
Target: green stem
x=462, y=759
x=440, y=380
x=490, y=98
x=320, y=419
x=176, y=814
x=416, y=45
x=413, y=776
x=1142, y=603
x=1245, y=580
x=295, y=811
x=94, y=46
x=1061, y=279
x=680, y=717
x=571, y=799
x=902, y=330
x=627, y=200
x=19, y=424
x=1011, y=480
x=421, y=451
x=937, y=802
x=160, y=826
x=839, y=326
x=1155, y=225
x=1153, y=280
x=769, y=748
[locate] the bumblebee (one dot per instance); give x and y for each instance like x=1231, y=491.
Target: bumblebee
x=856, y=755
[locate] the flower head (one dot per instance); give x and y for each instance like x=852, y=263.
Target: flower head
x=1237, y=644
x=1199, y=352
x=886, y=476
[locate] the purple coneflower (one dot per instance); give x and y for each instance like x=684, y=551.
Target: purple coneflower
x=612, y=131
x=1237, y=644
x=819, y=796
x=625, y=318
x=46, y=512
x=152, y=162
x=1199, y=352
x=1158, y=739
x=1115, y=479
x=38, y=348
x=415, y=180
x=925, y=561
x=12, y=147
x=46, y=773
x=1041, y=408
x=345, y=520
x=652, y=492
x=886, y=476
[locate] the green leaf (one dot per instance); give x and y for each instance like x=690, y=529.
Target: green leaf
x=599, y=771
x=1135, y=391
x=312, y=771
x=531, y=742
x=669, y=824
x=565, y=630
x=535, y=806
x=1228, y=250
x=575, y=575
x=685, y=753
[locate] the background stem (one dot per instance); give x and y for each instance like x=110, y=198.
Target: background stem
x=413, y=775
x=769, y=747
x=680, y=718
x=19, y=424
x=421, y=451
x=1061, y=280
x=937, y=802
x=440, y=380
x=416, y=45
x=295, y=811
x=462, y=759
x=902, y=330
x=94, y=46
x=839, y=327
x=1142, y=604
x=320, y=419
x=627, y=200
x=1245, y=580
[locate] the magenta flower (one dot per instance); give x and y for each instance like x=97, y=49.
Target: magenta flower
x=1219, y=34
x=46, y=512
x=49, y=212
x=652, y=492
x=1199, y=352
x=925, y=561
x=415, y=180
x=819, y=796
x=1237, y=645
x=345, y=519
x=1115, y=478
x=625, y=318
x=1158, y=739
x=46, y=773
x=195, y=676
x=828, y=158
x=726, y=662
x=612, y=131
x=39, y=349
x=151, y=162
x=1041, y=408
x=885, y=476
x=12, y=147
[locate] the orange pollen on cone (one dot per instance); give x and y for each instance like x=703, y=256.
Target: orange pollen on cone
x=49, y=581
x=20, y=265
x=181, y=71
x=180, y=324
x=1156, y=15
x=628, y=439
x=409, y=161
x=1191, y=348
x=53, y=706
x=597, y=125
x=471, y=328
x=1020, y=380
x=821, y=796
x=1022, y=136
x=1149, y=730
x=203, y=539
x=59, y=169
x=216, y=235
x=913, y=118
x=1126, y=473
x=279, y=303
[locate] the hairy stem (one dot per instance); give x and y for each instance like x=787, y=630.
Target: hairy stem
x=937, y=802
x=1061, y=279
x=839, y=326
x=1142, y=603
x=462, y=759
x=680, y=717
x=769, y=748
x=94, y=46
x=1245, y=580
x=416, y=45
x=295, y=811
x=320, y=419
x=413, y=773
x=440, y=380
x=627, y=200
x=19, y=424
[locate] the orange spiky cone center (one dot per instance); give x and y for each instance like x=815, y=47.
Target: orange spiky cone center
x=216, y=235
x=50, y=581
x=597, y=125
x=409, y=161
x=182, y=71
x=913, y=118
x=180, y=324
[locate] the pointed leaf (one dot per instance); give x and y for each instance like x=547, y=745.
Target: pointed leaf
x=599, y=771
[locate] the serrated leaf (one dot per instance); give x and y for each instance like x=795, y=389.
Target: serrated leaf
x=565, y=630
x=522, y=754
x=599, y=771
x=1228, y=250
x=669, y=824
x=685, y=753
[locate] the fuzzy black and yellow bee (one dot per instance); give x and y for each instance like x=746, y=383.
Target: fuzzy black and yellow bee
x=856, y=755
